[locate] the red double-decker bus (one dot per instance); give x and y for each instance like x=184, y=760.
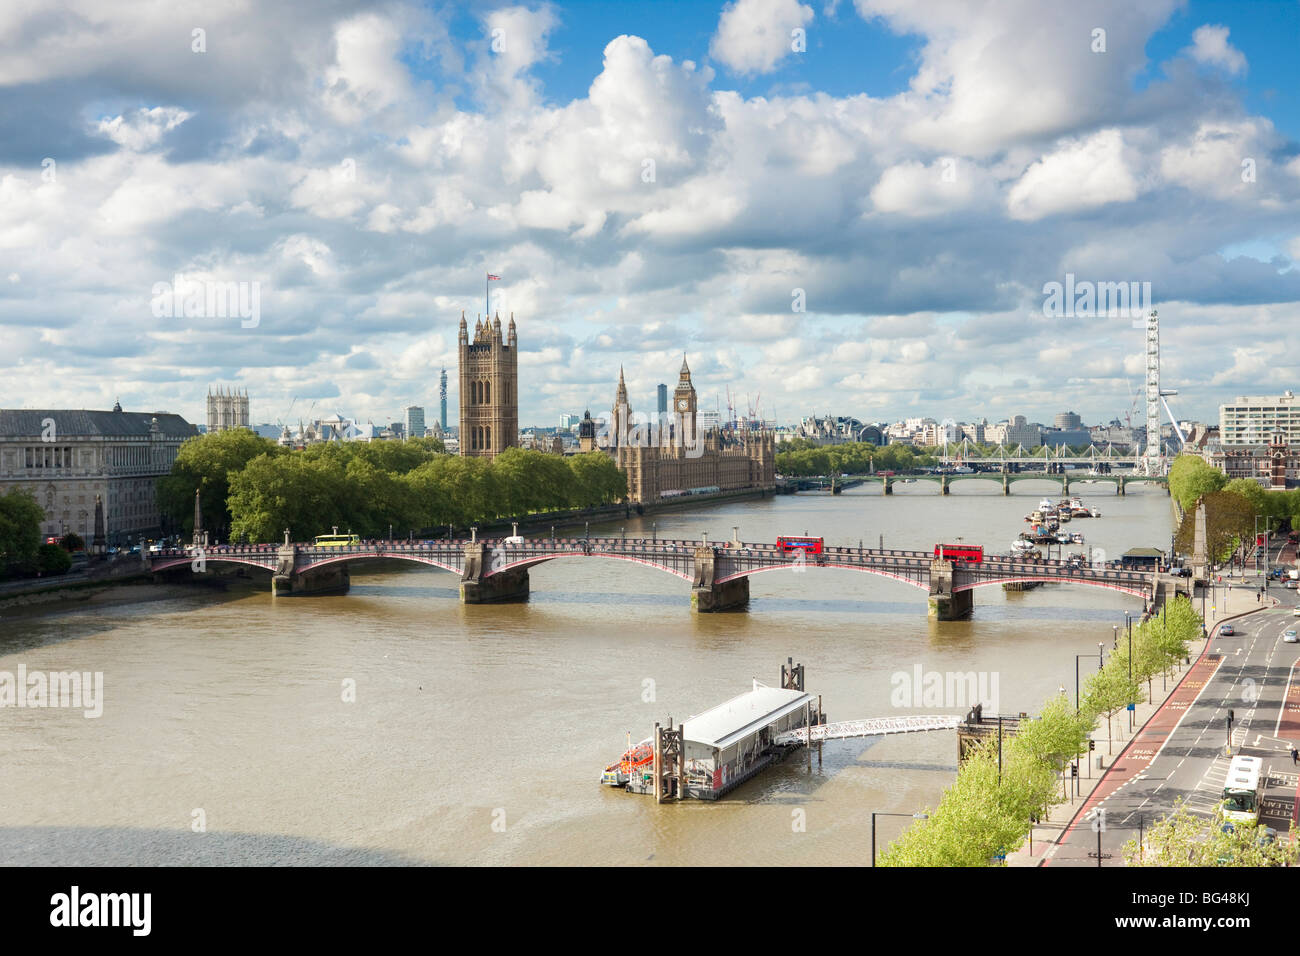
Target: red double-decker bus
x=794, y=545
x=960, y=552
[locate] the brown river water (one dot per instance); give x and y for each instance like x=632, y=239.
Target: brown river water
x=477, y=734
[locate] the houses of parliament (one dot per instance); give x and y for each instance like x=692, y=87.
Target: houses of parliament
x=660, y=460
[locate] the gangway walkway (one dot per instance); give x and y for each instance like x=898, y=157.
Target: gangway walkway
x=870, y=727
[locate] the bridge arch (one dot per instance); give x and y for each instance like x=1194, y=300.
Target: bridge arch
x=210, y=557
x=533, y=560
x=388, y=556
x=845, y=567
x=1142, y=592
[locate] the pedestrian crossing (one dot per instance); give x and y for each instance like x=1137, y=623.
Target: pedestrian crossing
x=1208, y=792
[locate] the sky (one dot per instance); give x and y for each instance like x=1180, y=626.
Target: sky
x=853, y=207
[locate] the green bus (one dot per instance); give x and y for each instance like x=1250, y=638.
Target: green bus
x=336, y=540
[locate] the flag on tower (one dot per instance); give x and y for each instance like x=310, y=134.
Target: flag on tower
x=492, y=278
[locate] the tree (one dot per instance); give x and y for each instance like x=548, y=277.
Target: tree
x=1058, y=736
x=1110, y=690
x=207, y=464
x=1185, y=839
x=51, y=559
x=1229, y=520
x=1190, y=477
x=72, y=542
x=971, y=824
x=274, y=492
x=20, y=531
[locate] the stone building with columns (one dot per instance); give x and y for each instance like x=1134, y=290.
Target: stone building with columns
x=67, y=457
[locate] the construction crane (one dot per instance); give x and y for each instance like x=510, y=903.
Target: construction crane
x=280, y=421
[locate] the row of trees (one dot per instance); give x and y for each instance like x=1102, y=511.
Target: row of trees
x=1190, y=476
x=1231, y=506
x=250, y=489
x=986, y=814
x=802, y=457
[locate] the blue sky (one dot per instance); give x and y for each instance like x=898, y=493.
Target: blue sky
x=916, y=177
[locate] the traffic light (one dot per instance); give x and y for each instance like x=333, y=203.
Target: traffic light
x=1092, y=744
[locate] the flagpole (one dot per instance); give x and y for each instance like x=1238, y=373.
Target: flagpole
x=487, y=311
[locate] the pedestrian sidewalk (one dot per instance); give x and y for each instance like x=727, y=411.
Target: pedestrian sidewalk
x=1221, y=605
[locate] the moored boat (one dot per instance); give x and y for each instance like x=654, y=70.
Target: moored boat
x=620, y=771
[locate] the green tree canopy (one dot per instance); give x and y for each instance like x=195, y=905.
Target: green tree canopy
x=207, y=463
x=20, y=531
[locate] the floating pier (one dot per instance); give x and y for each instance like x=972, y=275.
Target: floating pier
x=712, y=753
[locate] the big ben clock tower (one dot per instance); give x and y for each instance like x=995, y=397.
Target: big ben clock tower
x=684, y=406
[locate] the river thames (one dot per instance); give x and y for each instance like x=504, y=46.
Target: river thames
x=478, y=733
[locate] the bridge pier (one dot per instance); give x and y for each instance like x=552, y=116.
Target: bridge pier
x=476, y=587
x=889, y=486
x=943, y=484
x=1006, y=487
x=1119, y=485
x=1065, y=485
x=707, y=595
x=287, y=580
x=946, y=604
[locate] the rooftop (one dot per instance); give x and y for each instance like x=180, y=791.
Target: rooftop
x=83, y=423
x=741, y=716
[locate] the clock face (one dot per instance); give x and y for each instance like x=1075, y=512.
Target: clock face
x=683, y=404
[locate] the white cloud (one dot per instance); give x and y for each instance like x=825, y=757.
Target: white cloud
x=141, y=129
x=918, y=306
x=1211, y=161
x=942, y=187
x=754, y=35
x=1210, y=46
x=1081, y=174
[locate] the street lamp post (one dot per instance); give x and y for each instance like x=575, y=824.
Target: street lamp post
x=882, y=813
x=1077, y=657
x=1130, y=667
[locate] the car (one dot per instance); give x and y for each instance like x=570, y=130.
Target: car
x=1226, y=631
x=1289, y=636
x=1296, y=612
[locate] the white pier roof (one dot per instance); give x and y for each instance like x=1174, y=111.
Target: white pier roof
x=744, y=715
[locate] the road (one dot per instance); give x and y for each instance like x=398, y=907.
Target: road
x=1181, y=753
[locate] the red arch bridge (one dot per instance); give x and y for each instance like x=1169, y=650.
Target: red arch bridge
x=718, y=573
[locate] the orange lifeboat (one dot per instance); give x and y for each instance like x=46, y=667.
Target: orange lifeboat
x=620, y=772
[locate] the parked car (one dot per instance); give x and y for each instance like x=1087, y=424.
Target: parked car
x=1226, y=630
